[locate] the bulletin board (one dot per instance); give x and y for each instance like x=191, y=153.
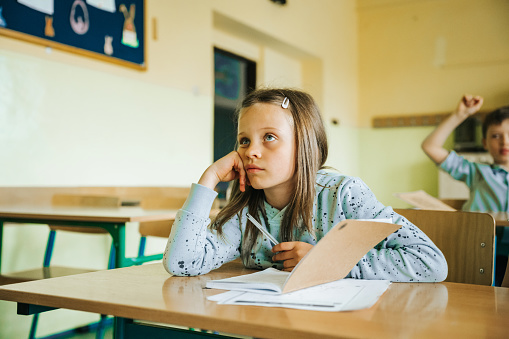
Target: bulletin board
x=111, y=30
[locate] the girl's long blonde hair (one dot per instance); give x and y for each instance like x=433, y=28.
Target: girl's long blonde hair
x=311, y=149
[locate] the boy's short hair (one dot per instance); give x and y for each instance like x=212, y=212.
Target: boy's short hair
x=494, y=118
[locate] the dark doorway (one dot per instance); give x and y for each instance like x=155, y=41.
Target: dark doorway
x=234, y=77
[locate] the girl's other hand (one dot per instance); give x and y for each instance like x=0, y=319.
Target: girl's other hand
x=290, y=253
x=469, y=105
x=228, y=168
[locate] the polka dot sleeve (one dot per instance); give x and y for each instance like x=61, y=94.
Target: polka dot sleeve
x=193, y=249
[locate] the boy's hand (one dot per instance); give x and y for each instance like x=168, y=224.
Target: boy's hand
x=290, y=253
x=469, y=105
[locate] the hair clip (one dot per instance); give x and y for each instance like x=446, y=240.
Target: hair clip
x=285, y=103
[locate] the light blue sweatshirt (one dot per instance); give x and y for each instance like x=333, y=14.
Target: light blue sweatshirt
x=407, y=255
x=488, y=184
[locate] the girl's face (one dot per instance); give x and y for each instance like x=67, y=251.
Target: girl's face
x=497, y=142
x=267, y=147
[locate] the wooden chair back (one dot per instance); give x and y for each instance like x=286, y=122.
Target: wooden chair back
x=85, y=200
x=467, y=240
x=79, y=200
x=455, y=203
x=160, y=229
x=163, y=203
x=42, y=195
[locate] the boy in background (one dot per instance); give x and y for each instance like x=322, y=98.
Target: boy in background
x=488, y=183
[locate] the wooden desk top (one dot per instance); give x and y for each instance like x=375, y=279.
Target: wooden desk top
x=501, y=218
x=36, y=213
x=442, y=310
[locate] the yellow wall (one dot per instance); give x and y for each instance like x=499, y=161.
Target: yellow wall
x=420, y=57
x=80, y=123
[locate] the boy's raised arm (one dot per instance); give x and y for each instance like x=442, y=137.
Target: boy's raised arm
x=433, y=145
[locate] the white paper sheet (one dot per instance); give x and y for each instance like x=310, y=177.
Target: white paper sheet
x=340, y=295
x=423, y=200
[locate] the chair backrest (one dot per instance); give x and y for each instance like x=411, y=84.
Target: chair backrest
x=163, y=202
x=467, y=240
x=455, y=203
x=77, y=200
x=85, y=200
x=160, y=229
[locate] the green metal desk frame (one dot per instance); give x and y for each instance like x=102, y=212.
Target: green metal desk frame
x=116, y=230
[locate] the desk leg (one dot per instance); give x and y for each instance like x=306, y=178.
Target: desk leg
x=119, y=325
x=120, y=259
x=117, y=232
x=128, y=329
x=1, y=242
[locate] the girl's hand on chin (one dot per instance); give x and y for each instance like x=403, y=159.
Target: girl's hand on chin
x=290, y=253
x=228, y=168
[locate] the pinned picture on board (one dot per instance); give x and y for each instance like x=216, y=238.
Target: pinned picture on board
x=108, y=47
x=129, y=37
x=79, y=17
x=48, y=29
x=111, y=30
x=44, y=6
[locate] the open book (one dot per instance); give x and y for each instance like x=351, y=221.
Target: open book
x=331, y=259
x=269, y=280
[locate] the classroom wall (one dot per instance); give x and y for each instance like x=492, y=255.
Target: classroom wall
x=116, y=126
x=70, y=120
x=419, y=57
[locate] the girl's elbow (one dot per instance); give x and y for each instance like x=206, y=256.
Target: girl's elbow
x=439, y=270
x=169, y=266
x=174, y=266
x=180, y=268
x=437, y=276
x=442, y=270
x=442, y=276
